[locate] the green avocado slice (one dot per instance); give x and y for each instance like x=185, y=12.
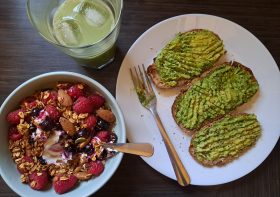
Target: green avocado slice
x=188, y=55
x=213, y=96
x=225, y=139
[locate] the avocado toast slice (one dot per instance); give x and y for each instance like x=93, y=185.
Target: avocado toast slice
x=185, y=57
x=225, y=139
x=213, y=95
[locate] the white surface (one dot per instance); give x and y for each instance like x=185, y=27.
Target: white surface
x=8, y=169
x=241, y=46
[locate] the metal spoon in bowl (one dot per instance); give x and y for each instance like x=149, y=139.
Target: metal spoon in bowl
x=141, y=149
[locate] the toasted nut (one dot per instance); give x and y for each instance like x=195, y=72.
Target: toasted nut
x=67, y=126
x=52, y=174
x=106, y=115
x=80, y=140
x=64, y=99
x=33, y=184
x=83, y=144
x=83, y=175
x=64, y=178
x=77, y=169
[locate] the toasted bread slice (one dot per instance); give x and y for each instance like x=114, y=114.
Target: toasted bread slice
x=224, y=140
x=213, y=95
x=153, y=73
x=185, y=57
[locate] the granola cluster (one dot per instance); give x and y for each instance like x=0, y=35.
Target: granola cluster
x=56, y=134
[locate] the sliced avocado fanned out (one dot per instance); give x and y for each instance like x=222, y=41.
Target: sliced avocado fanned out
x=225, y=140
x=214, y=95
x=186, y=57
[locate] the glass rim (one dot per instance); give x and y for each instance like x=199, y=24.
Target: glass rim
x=73, y=47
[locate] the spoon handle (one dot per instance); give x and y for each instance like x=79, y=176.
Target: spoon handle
x=141, y=149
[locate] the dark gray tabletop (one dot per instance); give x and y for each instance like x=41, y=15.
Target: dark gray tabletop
x=24, y=54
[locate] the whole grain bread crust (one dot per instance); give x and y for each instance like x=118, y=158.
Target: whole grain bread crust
x=220, y=161
x=154, y=74
x=206, y=122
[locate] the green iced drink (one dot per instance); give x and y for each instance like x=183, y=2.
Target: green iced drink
x=82, y=23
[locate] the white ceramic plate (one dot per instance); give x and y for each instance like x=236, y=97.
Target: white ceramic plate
x=242, y=46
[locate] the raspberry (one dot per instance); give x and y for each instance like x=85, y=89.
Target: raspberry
x=53, y=112
x=51, y=98
x=13, y=117
x=64, y=183
x=83, y=105
x=90, y=122
x=75, y=92
x=97, y=100
x=103, y=136
x=14, y=135
x=95, y=168
x=38, y=180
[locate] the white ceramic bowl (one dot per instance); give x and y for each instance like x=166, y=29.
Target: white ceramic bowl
x=7, y=166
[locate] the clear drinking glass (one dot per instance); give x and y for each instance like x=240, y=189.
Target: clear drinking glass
x=95, y=55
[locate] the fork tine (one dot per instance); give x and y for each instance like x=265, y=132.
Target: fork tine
x=147, y=80
x=138, y=80
x=134, y=80
x=143, y=82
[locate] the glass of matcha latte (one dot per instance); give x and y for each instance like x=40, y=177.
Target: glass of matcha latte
x=86, y=30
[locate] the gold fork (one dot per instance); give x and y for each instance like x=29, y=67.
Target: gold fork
x=148, y=99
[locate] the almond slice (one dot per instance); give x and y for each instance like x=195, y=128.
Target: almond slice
x=67, y=126
x=106, y=115
x=64, y=99
x=83, y=175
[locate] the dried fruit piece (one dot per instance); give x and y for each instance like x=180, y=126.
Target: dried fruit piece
x=67, y=126
x=64, y=183
x=38, y=180
x=106, y=115
x=64, y=99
